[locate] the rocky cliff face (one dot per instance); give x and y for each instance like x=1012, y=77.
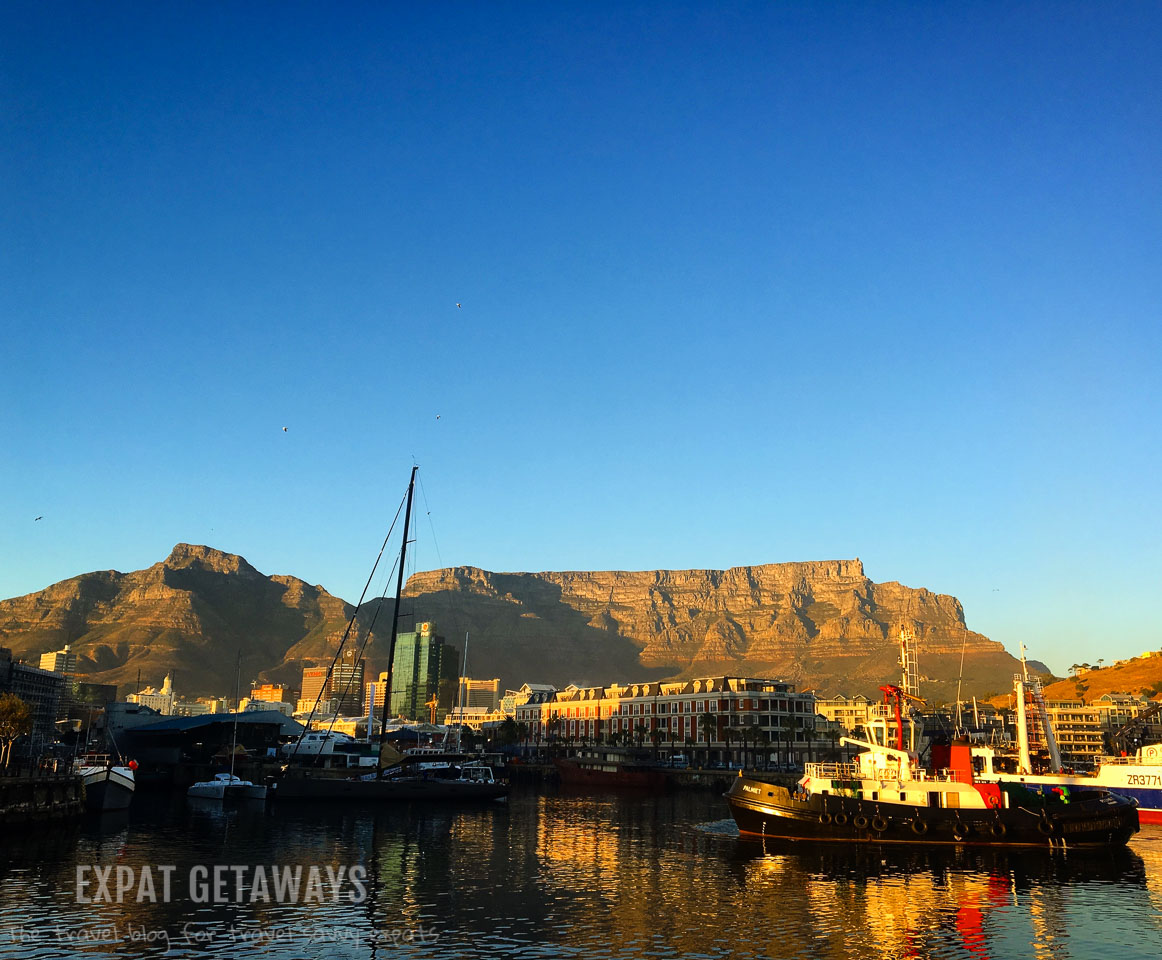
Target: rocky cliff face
x=822, y=624
x=191, y=614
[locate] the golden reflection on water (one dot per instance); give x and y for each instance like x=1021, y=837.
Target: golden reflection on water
x=574, y=875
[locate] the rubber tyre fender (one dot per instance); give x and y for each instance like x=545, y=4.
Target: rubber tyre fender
x=1045, y=827
x=959, y=830
x=879, y=824
x=997, y=829
x=859, y=821
x=840, y=818
x=919, y=827
x=825, y=818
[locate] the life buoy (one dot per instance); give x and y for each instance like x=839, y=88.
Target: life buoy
x=879, y=824
x=1045, y=826
x=919, y=827
x=825, y=818
x=997, y=829
x=860, y=822
x=841, y=818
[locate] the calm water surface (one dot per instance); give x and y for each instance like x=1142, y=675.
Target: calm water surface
x=567, y=875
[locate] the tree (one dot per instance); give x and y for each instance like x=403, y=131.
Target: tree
x=656, y=735
x=640, y=732
x=708, y=727
x=15, y=722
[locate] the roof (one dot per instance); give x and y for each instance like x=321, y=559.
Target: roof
x=287, y=726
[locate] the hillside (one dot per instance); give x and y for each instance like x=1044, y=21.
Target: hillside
x=1140, y=675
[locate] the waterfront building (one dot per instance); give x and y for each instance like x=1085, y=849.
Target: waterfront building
x=270, y=693
x=60, y=661
x=479, y=693
x=347, y=683
x=344, y=684
x=1078, y=731
x=424, y=671
x=249, y=705
x=160, y=700
x=190, y=708
x=475, y=717
x=41, y=690
x=851, y=713
x=528, y=691
x=325, y=707
x=314, y=681
x=375, y=694
x=728, y=718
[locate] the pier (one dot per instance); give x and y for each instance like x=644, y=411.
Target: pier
x=38, y=794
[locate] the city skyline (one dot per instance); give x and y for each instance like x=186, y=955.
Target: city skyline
x=639, y=287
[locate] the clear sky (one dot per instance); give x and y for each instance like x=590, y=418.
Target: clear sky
x=738, y=283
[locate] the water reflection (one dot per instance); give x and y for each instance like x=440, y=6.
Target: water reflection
x=570, y=875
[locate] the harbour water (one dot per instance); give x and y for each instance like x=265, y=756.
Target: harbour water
x=551, y=874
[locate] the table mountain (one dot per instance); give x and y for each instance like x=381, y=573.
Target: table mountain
x=822, y=624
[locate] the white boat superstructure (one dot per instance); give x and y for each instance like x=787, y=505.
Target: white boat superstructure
x=227, y=786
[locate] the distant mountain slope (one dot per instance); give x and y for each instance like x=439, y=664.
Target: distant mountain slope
x=821, y=624
x=1139, y=675
x=190, y=613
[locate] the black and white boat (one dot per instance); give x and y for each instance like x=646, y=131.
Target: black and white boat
x=109, y=783
x=885, y=796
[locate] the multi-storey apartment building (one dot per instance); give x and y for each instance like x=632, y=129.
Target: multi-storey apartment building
x=726, y=714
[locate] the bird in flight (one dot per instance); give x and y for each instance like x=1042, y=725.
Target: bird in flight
x=437, y=417
x=284, y=429
x=38, y=518
x=457, y=306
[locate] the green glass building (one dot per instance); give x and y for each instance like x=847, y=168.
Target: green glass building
x=424, y=666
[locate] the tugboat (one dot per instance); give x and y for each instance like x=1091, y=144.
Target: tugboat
x=886, y=796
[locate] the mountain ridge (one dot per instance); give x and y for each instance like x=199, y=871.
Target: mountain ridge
x=822, y=624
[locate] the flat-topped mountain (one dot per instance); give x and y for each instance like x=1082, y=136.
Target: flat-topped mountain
x=821, y=624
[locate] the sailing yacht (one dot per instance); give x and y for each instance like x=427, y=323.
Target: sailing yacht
x=449, y=778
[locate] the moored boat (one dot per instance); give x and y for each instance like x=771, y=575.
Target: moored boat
x=227, y=786
x=109, y=784
x=885, y=796
x=602, y=769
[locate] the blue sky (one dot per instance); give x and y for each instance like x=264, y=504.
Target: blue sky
x=740, y=283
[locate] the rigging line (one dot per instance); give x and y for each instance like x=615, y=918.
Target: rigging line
x=452, y=608
x=350, y=623
x=363, y=646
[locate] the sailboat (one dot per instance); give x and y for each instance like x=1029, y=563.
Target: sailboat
x=227, y=786
x=449, y=777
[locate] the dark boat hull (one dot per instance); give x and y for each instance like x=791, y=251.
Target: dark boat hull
x=575, y=774
x=386, y=791
x=767, y=810
x=107, y=789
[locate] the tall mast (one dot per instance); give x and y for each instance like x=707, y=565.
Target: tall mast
x=463, y=686
x=407, y=515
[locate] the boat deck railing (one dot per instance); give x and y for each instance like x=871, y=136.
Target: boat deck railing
x=853, y=771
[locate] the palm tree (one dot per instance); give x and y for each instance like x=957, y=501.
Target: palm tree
x=656, y=735
x=708, y=727
x=641, y=730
